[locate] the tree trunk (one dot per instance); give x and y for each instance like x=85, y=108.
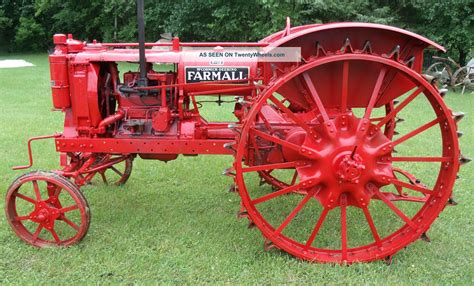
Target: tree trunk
x=462, y=56
x=115, y=27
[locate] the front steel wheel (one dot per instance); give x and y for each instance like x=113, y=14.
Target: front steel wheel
x=46, y=209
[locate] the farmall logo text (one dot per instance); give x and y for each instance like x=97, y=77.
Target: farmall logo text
x=203, y=74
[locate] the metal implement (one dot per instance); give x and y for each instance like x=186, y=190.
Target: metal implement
x=314, y=140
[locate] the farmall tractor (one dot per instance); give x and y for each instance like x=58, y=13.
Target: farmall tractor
x=322, y=166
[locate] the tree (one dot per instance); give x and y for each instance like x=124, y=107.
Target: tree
x=206, y=20
x=339, y=11
x=9, y=18
x=29, y=24
x=448, y=22
x=30, y=35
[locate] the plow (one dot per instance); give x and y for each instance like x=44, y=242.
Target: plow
x=322, y=165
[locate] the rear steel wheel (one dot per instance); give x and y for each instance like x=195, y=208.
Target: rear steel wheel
x=354, y=207
x=45, y=209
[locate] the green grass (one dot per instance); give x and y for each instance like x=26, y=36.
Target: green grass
x=175, y=222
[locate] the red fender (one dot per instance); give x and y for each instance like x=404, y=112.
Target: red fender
x=325, y=39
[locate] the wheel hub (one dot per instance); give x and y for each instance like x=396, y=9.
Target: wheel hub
x=353, y=154
x=45, y=214
x=350, y=168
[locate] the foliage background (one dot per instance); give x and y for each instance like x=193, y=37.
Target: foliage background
x=27, y=25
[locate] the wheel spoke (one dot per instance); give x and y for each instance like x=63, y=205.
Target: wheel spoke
x=116, y=171
x=345, y=85
x=290, y=114
x=20, y=218
x=37, y=190
x=265, y=121
x=37, y=232
x=293, y=213
x=53, y=190
x=26, y=198
x=375, y=93
x=416, y=132
x=301, y=185
x=344, y=231
x=395, y=197
x=317, y=227
x=395, y=209
x=421, y=159
x=57, y=191
x=270, y=167
x=68, y=209
x=295, y=176
x=276, y=140
x=373, y=229
x=55, y=235
x=412, y=187
x=104, y=178
x=316, y=98
x=399, y=107
x=71, y=223
x=377, y=118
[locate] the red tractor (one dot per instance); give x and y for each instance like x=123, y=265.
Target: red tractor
x=314, y=141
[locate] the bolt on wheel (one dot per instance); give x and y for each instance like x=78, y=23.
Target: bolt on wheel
x=45, y=209
x=344, y=163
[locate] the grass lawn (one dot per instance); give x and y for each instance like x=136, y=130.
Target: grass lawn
x=176, y=223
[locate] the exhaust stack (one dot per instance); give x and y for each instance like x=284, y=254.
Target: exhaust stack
x=141, y=43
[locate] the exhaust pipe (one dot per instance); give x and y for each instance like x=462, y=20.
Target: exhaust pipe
x=142, y=81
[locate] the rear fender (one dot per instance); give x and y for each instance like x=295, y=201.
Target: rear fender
x=337, y=38
x=331, y=37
